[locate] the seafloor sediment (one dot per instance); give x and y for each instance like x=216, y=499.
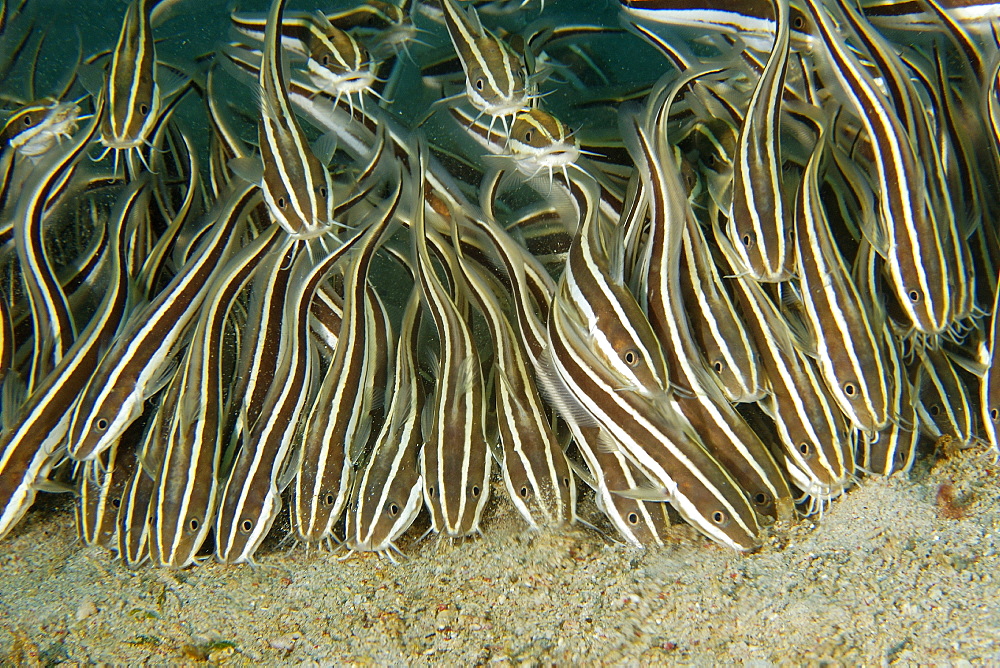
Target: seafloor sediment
x=898, y=572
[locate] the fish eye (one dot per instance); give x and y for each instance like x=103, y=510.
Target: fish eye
x=431, y=491
x=761, y=498
x=710, y=160
x=281, y=202
x=480, y=84
x=475, y=491
x=116, y=502
x=393, y=509
x=329, y=499
x=995, y=414
x=27, y=121
x=322, y=191
x=566, y=480
x=718, y=367
x=101, y=424
x=633, y=518
x=527, y=136
x=798, y=23
x=804, y=449
x=246, y=526
x=720, y=518
x=143, y=109
x=523, y=492
x=194, y=524
x=747, y=240
x=326, y=60
x=914, y=296
x=631, y=357
x=935, y=410
x=850, y=389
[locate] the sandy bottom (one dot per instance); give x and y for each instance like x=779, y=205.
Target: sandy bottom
x=892, y=573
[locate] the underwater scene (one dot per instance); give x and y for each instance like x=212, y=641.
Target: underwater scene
x=534, y=331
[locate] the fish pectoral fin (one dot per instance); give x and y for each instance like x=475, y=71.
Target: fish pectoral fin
x=250, y=169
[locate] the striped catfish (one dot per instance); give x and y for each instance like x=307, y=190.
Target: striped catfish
x=496, y=81
x=908, y=235
x=848, y=346
x=752, y=21
x=718, y=328
x=133, y=95
x=297, y=186
x=758, y=223
x=605, y=361
x=134, y=514
x=339, y=420
x=338, y=64
x=585, y=388
x=540, y=141
x=989, y=389
x=388, y=495
x=535, y=470
x=27, y=444
x=36, y=127
x=103, y=482
x=251, y=496
x=724, y=433
x=812, y=429
x=944, y=407
x=455, y=461
x=140, y=361
x=52, y=320
x=187, y=485
x=640, y=523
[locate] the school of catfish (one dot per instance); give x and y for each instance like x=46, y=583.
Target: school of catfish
x=351, y=267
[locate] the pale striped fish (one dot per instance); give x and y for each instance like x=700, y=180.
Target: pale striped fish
x=752, y=21
x=27, y=445
x=758, y=222
x=35, y=128
x=297, y=185
x=140, y=361
x=848, y=347
x=52, y=319
x=455, y=461
x=388, y=495
x=813, y=430
x=251, y=497
x=944, y=406
x=187, y=486
x=339, y=422
x=894, y=447
x=977, y=16
x=908, y=234
x=725, y=434
x=535, y=470
x=496, y=81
